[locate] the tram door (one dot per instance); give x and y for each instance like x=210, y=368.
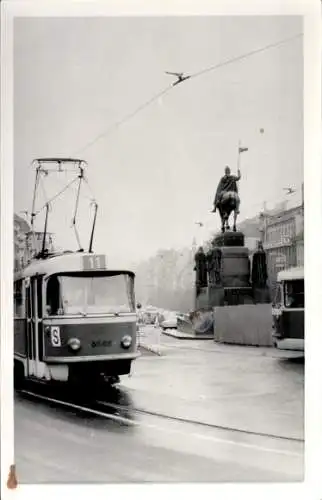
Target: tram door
x=32, y=327
x=29, y=327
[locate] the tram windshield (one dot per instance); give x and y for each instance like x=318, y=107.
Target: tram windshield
x=294, y=293
x=75, y=295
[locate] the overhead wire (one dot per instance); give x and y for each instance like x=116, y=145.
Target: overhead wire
x=140, y=108
x=155, y=97
x=61, y=190
x=56, y=195
x=125, y=119
x=244, y=56
x=59, y=185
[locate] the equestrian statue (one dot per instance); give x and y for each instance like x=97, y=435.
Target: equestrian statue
x=227, y=199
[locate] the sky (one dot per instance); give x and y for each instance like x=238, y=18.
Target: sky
x=155, y=176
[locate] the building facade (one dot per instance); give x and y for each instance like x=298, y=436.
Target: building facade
x=34, y=242
x=20, y=228
x=283, y=240
x=26, y=243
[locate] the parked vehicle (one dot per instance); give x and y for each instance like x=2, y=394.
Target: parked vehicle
x=170, y=321
x=288, y=310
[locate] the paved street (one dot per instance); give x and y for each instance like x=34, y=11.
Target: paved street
x=258, y=389
x=197, y=381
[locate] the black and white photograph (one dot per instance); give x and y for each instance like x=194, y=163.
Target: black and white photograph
x=158, y=202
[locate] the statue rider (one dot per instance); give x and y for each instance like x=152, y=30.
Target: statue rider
x=227, y=183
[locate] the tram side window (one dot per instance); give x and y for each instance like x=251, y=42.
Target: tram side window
x=53, y=301
x=18, y=299
x=39, y=296
x=130, y=291
x=294, y=294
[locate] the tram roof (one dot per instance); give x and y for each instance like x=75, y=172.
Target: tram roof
x=64, y=263
x=294, y=273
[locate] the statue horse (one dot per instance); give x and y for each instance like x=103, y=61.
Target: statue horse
x=229, y=203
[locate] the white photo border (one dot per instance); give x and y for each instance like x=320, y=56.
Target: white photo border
x=310, y=9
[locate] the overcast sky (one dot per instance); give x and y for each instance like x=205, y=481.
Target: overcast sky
x=156, y=175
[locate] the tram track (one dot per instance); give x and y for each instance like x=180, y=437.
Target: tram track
x=158, y=429
x=81, y=408
x=198, y=422
x=97, y=409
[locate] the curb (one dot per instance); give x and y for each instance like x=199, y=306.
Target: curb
x=152, y=349
x=186, y=336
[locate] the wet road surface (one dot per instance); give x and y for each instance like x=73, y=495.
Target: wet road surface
x=257, y=389
x=230, y=387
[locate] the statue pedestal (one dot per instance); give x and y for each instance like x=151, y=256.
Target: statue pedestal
x=229, y=239
x=234, y=273
x=202, y=301
x=235, y=267
x=229, y=289
x=216, y=296
x=210, y=297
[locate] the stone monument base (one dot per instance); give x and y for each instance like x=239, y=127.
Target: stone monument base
x=229, y=269
x=216, y=295
x=229, y=239
x=244, y=325
x=235, y=267
x=202, y=299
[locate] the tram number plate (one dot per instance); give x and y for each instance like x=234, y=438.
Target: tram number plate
x=101, y=343
x=94, y=262
x=55, y=336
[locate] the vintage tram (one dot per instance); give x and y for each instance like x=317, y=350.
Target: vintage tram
x=288, y=311
x=74, y=321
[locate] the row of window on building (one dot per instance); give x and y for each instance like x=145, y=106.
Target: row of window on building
x=280, y=232
x=283, y=240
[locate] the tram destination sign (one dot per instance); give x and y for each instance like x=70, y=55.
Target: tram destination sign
x=94, y=262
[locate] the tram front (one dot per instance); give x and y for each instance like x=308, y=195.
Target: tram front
x=90, y=323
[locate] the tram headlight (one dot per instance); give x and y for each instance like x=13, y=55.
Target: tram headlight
x=74, y=344
x=126, y=341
